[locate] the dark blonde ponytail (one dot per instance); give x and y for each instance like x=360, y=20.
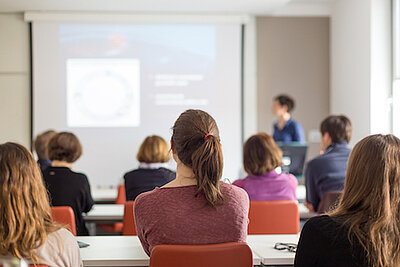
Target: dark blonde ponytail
x=196, y=141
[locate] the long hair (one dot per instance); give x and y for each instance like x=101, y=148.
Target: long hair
x=370, y=204
x=25, y=219
x=196, y=140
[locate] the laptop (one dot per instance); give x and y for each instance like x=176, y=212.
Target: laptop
x=294, y=156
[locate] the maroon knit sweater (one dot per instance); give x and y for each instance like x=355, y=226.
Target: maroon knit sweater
x=173, y=215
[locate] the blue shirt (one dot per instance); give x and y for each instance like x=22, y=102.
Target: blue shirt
x=326, y=172
x=291, y=132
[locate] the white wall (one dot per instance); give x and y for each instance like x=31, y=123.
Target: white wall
x=14, y=79
x=360, y=64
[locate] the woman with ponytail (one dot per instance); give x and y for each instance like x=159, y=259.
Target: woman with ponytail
x=196, y=207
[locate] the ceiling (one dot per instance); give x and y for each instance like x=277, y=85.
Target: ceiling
x=256, y=7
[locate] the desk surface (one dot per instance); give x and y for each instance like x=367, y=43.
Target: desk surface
x=104, y=194
x=114, y=251
x=263, y=246
x=115, y=213
x=118, y=251
x=105, y=213
x=107, y=194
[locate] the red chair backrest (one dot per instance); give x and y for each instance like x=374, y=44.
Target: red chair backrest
x=274, y=217
x=214, y=255
x=129, y=226
x=121, y=197
x=64, y=215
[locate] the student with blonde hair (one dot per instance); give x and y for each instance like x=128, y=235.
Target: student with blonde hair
x=27, y=229
x=153, y=156
x=364, y=229
x=195, y=208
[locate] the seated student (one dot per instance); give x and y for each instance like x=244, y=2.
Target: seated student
x=286, y=129
x=27, y=229
x=66, y=187
x=364, y=229
x=153, y=156
x=327, y=172
x=196, y=207
x=261, y=156
x=40, y=145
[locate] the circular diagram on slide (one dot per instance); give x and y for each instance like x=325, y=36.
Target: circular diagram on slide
x=103, y=93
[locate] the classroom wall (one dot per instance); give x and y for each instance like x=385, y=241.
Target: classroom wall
x=361, y=68
x=293, y=58
x=14, y=79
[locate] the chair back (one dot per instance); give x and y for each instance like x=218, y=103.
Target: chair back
x=274, y=217
x=121, y=197
x=214, y=255
x=329, y=201
x=64, y=215
x=129, y=226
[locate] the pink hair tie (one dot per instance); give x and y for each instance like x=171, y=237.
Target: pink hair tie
x=207, y=135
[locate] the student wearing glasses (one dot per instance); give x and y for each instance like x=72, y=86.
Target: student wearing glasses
x=364, y=229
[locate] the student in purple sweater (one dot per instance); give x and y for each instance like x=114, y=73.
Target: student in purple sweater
x=261, y=156
x=195, y=208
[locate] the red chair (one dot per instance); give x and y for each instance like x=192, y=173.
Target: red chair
x=129, y=226
x=214, y=255
x=64, y=215
x=274, y=217
x=121, y=199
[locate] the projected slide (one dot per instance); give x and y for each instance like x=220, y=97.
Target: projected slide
x=103, y=92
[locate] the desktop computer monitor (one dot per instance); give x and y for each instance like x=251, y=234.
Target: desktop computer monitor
x=294, y=156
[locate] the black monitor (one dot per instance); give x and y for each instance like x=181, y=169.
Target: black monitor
x=294, y=156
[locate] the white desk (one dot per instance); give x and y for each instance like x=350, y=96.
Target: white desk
x=113, y=251
x=301, y=193
x=115, y=213
x=263, y=246
x=118, y=251
x=104, y=194
x=105, y=213
x=305, y=213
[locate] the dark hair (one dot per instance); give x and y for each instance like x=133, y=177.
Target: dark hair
x=338, y=127
x=200, y=151
x=40, y=143
x=64, y=146
x=261, y=154
x=285, y=100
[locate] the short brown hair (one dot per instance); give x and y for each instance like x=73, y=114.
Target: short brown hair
x=40, y=143
x=64, y=146
x=338, y=127
x=261, y=154
x=153, y=149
